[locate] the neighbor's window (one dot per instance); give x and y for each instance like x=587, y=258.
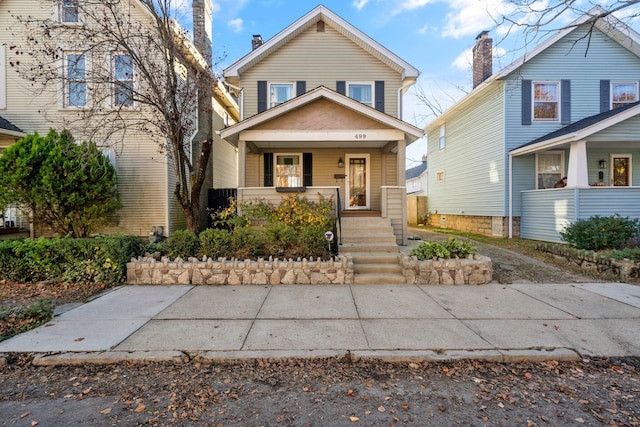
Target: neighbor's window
x=69, y=11
x=623, y=93
x=279, y=93
x=549, y=168
x=441, y=141
x=122, y=80
x=75, y=80
x=288, y=170
x=440, y=176
x=546, y=101
x=362, y=92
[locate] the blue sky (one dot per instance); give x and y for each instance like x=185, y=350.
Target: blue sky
x=435, y=36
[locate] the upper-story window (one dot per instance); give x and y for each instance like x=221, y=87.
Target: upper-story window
x=441, y=140
x=69, y=12
x=362, y=92
x=279, y=93
x=75, y=80
x=122, y=80
x=623, y=93
x=546, y=101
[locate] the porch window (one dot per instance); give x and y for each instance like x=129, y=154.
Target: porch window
x=623, y=93
x=75, y=80
x=279, y=93
x=549, y=168
x=621, y=170
x=122, y=80
x=288, y=170
x=546, y=101
x=361, y=92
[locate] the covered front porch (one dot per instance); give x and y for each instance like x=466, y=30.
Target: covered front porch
x=596, y=157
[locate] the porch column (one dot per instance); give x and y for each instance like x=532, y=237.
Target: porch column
x=577, y=174
x=402, y=155
x=242, y=161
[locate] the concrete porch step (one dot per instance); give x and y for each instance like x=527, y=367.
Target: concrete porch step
x=368, y=247
x=379, y=279
x=375, y=257
x=377, y=268
x=366, y=237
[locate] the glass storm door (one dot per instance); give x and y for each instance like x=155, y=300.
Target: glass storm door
x=621, y=171
x=357, y=186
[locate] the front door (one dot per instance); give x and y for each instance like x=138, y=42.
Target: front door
x=357, y=181
x=621, y=170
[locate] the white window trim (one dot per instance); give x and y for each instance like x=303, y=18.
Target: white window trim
x=3, y=77
x=60, y=14
x=440, y=176
x=275, y=167
x=442, y=142
x=293, y=92
x=533, y=102
x=109, y=153
x=363, y=83
x=65, y=82
x=134, y=80
x=630, y=157
x=562, y=163
x=622, y=82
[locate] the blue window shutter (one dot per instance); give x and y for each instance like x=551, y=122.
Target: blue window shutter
x=341, y=87
x=268, y=169
x=379, y=95
x=301, y=87
x=526, y=102
x=262, y=95
x=307, y=170
x=565, y=99
x=605, y=95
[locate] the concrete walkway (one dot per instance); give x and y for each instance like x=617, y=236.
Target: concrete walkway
x=390, y=322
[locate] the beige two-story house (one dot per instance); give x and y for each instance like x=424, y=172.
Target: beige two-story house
x=146, y=175
x=321, y=114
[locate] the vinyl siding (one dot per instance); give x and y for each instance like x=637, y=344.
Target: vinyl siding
x=320, y=59
x=225, y=156
x=473, y=160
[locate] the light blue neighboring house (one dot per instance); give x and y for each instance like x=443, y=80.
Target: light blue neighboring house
x=568, y=108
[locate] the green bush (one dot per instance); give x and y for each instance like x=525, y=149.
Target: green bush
x=450, y=249
x=101, y=259
x=183, y=244
x=598, y=233
x=216, y=243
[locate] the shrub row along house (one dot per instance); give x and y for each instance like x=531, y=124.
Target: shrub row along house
x=568, y=108
x=323, y=125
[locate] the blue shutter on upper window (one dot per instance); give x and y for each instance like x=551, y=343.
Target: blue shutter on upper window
x=301, y=87
x=341, y=87
x=379, y=94
x=526, y=102
x=565, y=99
x=262, y=96
x=605, y=95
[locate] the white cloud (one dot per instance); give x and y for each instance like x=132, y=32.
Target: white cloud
x=424, y=29
x=414, y=4
x=359, y=4
x=469, y=17
x=235, y=25
x=463, y=61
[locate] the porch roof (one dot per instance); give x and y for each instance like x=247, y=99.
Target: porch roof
x=410, y=132
x=579, y=130
x=9, y=129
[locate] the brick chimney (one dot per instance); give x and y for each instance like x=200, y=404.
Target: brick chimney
x=202, y=22
x=482, y=58
x=256, y=42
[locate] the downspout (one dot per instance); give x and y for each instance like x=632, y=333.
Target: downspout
x=407, y=86
x=510, y=195
x=240, y=90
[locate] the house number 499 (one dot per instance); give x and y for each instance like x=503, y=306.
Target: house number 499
x=361, y=136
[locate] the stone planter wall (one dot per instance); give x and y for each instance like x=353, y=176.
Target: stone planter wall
x=476, y=270
x=149, y=271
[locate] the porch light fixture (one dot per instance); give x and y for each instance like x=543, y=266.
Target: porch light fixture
x=603, y=164
x=340, y=163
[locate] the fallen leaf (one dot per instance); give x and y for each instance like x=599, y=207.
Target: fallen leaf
x=350, y=393
x=580, y=420
x=583, y=401
x=79, y=339
x=34, y=423
x=106, y=411
x=354, y=419
x=140, y=408
x=381, y=409
x=25, y=415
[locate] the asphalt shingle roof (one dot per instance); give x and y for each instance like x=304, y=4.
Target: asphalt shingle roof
x=7, y=125
x=416, y=171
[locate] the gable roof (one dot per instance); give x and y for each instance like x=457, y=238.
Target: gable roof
x=411, y=132
x=608, y=24
x=321, y=13
x=9, y=129
x=580, y=130
x=416, y=171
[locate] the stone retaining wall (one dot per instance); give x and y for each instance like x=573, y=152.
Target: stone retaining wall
x=149, y=271
x=475, y=270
